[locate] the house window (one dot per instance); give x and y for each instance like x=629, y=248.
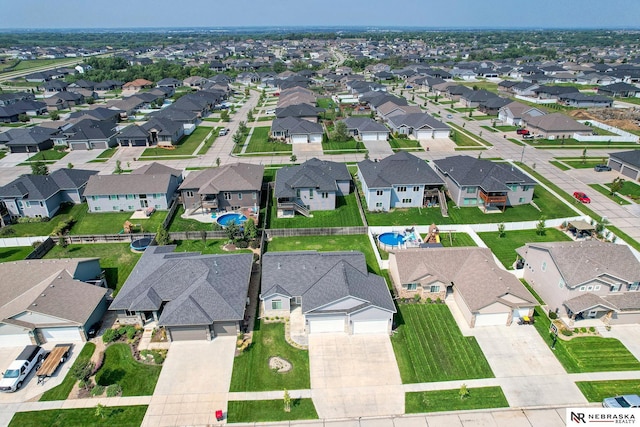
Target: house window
x=596, y=288
x=157, y=206
x=593, y=313
x=401, y=189
x=412, y=286
x=521, y=200
x=634, y=286
x=41, y=204
x=526, y=187
x=435, y=288
x=379, y=192
x=142, y=196
x=254, y=195
x=27, y=204
x=589, y=288
x=276, y=304
x=544, y=266
x=583, y=288
x=188, y=193
x=311, y=193
x=239, y=196
x=325, y=195
x=298, y=193
x=378, y=204
x=97, y=208
x=227, y=196
x=130, y=207
x=561, y=284
x=406, y=200
x=471, y=190
x=129, y=313
x=416, y=189
x=513, y=187
x=113, y=197
x=131, y=196
x=469, y=201
x=114, y=208
x=615, y=288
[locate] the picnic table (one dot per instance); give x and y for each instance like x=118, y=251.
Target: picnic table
x=52, y=360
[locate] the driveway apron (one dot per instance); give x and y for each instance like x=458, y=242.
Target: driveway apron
x=193, y=384
x=354, y=376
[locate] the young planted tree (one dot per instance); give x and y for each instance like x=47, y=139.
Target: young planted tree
x=501, y=228
x=39, y=168
x=541, y=228
x=162, y=236
x=287, y=401
x=616, y=185
x=54, y=115
x=250, y=231
x=224, y=115
x=250, y=117
x=232, y=229
x=340, y=132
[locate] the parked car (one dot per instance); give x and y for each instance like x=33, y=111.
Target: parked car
x=527, y=136
x=223, y=132
x=582, y=197
x=94, y=329
x=626, y=401
x=602, y=168
x=522, y=131
x=449, y=116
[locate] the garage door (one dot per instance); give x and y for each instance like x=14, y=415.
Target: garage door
x=326, y=325
x=519, y=312
x=188, y=333
x=18, y=149
x=60, y=334
x=99, y=145
x=316, y=138
x=369, y=136
x=424, y=134
x=299, y=139
x=616, y=166
x=370, y=327
x=629, y=172
x=225, y=328
x=78, y=146
x=14, y=340
x=492, y=319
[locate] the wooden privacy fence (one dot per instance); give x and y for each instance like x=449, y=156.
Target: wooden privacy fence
x=328, y=231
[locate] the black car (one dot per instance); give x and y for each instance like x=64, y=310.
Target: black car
x=94, y=329
x=602, y=168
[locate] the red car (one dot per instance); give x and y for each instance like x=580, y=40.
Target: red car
x=582, y=197
x=522, y=131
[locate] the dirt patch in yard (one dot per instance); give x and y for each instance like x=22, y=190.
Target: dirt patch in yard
x=622, y=118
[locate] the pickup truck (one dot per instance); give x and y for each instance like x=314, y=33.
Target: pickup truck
x=19, y=369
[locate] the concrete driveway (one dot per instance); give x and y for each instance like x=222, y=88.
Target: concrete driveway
x=529, y=371
x=194, y=382
x=629, y=335
x=354, y=375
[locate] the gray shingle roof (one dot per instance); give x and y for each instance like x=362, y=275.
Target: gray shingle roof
x=365, y=124
x=631, y=157
x=399, y=168
x=102, y=185
x=294, y=125
x=319, y=174
x=41, y=187
x=557, y=122
x=324, y=277
x=234, y=177
x=417, y=121
x=196, y=289
x=490, y=176
x=586, y=301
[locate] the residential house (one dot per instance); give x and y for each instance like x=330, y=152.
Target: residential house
x=90, y=134
x=492, y=106
x=401, y=180
x=390, y=109
x=296, y=130
x=475, y=182
x=619, y=90
x=626, y=163
x=64, y=101
x=157, y=131
x=333, y=291
x=553, y=92
x=485, y=294
x=300, y=111
x=585, y=280
x=54, y=86
x=169, y=82
x=137, y=84
x=50, y=300
x=228, y=187
x=12, y=98
x=583, y=100
x=195, y=297
x=556, y=125
x=40, y=196
x=152, y=186
x=419, y=125
x=366, y=129
x=314, y=185
x=513, y=113
x=474, y=98
x=28, y=140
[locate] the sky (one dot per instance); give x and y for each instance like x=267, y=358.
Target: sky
x=44, y=14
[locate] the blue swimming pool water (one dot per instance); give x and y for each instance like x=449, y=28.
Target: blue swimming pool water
x=391, y=239
x=225, y=219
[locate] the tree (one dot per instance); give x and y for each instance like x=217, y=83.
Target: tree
x=340, y=132
x=584, y=156
x=616, y=185
x=541, y=227
x=162, y=236
x=39, y=168
x=90, y=100
x=54, y=115
x=250, y=230
x=218, y=161
x=237, y=137
x=101, y=411
x=293, y=158
x=242, y=128
x=224, y=115
x=287, y=401
x=250, y=117
x=232, y=229
x=118, y=170
x=23, y=117
x=82, y=371
x=464, y=392
x=69, y=165
x=501, y=228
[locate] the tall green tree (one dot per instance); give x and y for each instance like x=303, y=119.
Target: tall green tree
x=39, y=168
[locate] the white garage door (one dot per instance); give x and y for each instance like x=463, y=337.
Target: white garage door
x=369, y=136
x=299, y=139
x=519, y=312
x=326, y=325
x=316, y=138
x=492, y=319
x=370, y=327
x=424, y=134
x=61, y=334
x=14, y=340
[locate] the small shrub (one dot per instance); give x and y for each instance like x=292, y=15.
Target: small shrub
x=583, y=330
x=242, y=244
x=438, y=300
x=98, y=390
x=131, y=331
x=110, y=335
x=114, y=390
x=254, y=244
x=429, y=300
x=592, y=329
x=86, y=384
x=416, y=298
x=566, y=332
x=553, y=315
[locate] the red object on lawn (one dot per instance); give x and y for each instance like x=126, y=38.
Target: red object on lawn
x=219, y=416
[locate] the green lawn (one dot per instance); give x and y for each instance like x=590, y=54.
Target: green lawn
x=559, y=165
x=346, y=147
x=398, y=144
x=116, y=259
x=112, y=222
x=456, y=240
x=624, y=236
x=259, y=142
x=471, y=138
x=135, y=378
x=550, y=206
x=14, y=253
x=208, y=143
x=489, y=128
x=346, y=214
x=517, y=142
x=449, y=400
x=108, y=153
x=506, y=128
x=251, y=411
x=587, y=354
x=251, y=368
x=211, y=246
x=504, y=248
x=28, y=64
x=579, y=164
x=180, y=224
x=47, y=155
x=462, y=139
x=357, y=242
x=429, y=346
x=630, y=189
x=607, y=193
x=121, y=416
x=61, y=391
x=596, y=391
x=186, y=146
x=44, y=228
